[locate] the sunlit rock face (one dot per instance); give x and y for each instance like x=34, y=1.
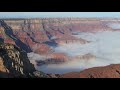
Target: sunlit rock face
x=110, y=71
x=14, y=61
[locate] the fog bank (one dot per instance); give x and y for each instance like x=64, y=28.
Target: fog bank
x=104, y=45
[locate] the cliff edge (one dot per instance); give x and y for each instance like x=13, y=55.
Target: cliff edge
x=15, y=63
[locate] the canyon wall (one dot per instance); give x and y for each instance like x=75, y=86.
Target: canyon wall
x=14, y=63
x=111, y=71
x=41, y=36
x=38, y=35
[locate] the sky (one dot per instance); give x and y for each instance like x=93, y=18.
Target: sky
x=57, y=14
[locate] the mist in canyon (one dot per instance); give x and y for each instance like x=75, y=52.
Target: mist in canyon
x=105, y=46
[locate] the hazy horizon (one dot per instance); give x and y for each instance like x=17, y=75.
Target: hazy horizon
x=59, y=14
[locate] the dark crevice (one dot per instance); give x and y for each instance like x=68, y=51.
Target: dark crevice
x=51, y=43
x=46, y=32
x=1, y=40
x=32, y=38
x=118, y=72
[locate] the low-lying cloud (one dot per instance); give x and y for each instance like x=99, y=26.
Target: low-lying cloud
x=35, y=56
x=104, y=45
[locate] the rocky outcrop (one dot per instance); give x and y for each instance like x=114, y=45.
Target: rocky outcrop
x=87, y=57
x=15, y=60
x=14, y=63
x=55, y=58
x=111, y=71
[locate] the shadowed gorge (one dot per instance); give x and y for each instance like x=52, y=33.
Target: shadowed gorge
x=9, y=33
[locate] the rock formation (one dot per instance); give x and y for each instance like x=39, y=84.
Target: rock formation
x=111, y=71
x=54, y=58
x=87, y=56
x=14, y=63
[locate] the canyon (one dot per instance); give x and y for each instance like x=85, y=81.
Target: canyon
x=61, y=45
